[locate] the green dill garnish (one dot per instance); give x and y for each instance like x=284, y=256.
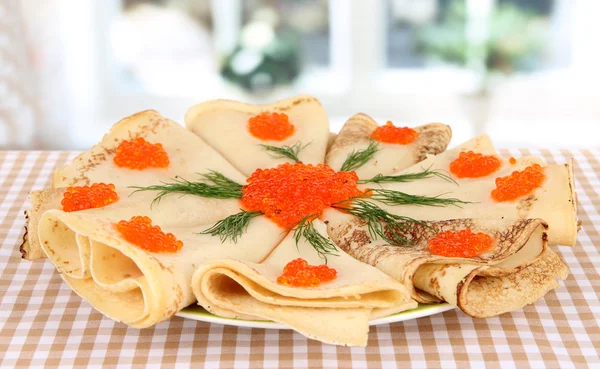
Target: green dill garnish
x=220, y=180
x=380, y=223
x=322, y=245
x=290, y=152
x=409, y=177
x=391, y=197
x=233, y=226
x=359, y=158
x=222, y=187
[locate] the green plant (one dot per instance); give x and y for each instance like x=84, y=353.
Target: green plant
x=514, y=41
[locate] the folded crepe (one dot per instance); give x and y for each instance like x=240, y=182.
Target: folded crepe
x=132, y=285
x=336, y=312
x=554, y=201
x=224, y=125
x=518, y=270
x=355, y=135
x=188, y=155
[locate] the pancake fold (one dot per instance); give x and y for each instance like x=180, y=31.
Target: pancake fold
x=132, y=285
x=554, y=201
x=518, y=270
x=355, y=135
x=224, y=125
x=336, y=312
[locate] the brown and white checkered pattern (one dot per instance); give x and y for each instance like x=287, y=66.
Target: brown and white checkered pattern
x=44, y=324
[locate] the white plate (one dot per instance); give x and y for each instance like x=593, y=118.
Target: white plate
x=198, y=313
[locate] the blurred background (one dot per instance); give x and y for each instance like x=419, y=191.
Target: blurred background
x=527, y=72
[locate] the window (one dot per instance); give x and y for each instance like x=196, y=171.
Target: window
x=506, y=35
x=171, y=48
x=404, y=20
x=406, y=60
x=162, y=47
x=306, y=20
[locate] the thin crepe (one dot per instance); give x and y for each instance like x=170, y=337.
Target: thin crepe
x=554, y=201
x=129, y=284
x=224, y=125
x=96, y=165
x=519, y=270
x=336, y=312
x=188, y=154
x=355, y=135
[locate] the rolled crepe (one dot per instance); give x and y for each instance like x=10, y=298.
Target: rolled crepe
x=518, y=270
x=224, y=125
x=130, y=284
x=355, y=135
x=554, y=201
x=184, y=149
x=336, y=312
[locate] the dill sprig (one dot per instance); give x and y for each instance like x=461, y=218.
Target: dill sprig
x=222, y=187
x=219, y=179
x=380, y=223
x=233, y=226
x=324, y=246
x=290, y=152
x=359, y=158
x=409, y=177
x=391, y=197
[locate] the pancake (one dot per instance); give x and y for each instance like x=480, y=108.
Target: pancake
x=554, y=201
x=96, y=165
x=519, y=269
x=484, y=292
x=355, y=135
x=183, y=147
x=336, y=312
x=224, y=125
x=129, y=284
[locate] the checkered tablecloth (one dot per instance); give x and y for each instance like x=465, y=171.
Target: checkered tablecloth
x=44, y=324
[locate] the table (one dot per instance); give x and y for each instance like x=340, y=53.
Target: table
x=44, y=324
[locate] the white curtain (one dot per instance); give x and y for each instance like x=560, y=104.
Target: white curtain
x=19, y=108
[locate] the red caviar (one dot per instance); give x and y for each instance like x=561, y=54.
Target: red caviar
x=271, y=126
x=140, y=232
x=394, y=135
x=140, y=154
x=512, y=160
x=461, y=244
x=518, y=184
x=88, y=197
x=297, y=273
x=474, y=165
x=289, y=192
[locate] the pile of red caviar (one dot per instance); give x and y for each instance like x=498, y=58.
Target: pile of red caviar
x=297, y=273
x=394, y=135
x=474, y=165
x=271, y=126
x=140, y=154
x=140, y=232
x=518, y=184
x=289, y=192
x=461, y=244
x=88, y=197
